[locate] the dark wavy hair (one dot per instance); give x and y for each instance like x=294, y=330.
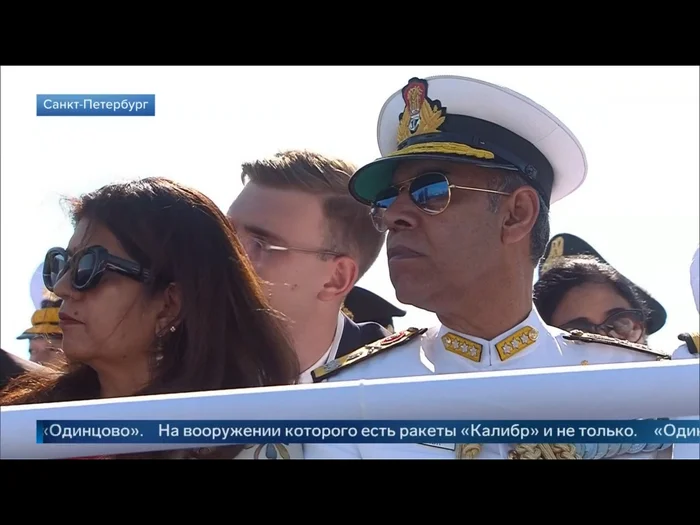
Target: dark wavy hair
x=569, y=272
x=228, y=337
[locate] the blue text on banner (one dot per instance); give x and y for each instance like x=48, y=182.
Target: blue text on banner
x=259, y=432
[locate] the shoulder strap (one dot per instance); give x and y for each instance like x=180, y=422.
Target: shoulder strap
x=584, y=337
x=692, y=341
x=333, y=367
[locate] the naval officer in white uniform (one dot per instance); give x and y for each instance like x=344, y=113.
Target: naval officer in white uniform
x=467, y=174
x=690, y=346
x=690, y=349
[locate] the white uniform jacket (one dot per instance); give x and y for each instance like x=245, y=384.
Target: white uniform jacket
x=530, y=344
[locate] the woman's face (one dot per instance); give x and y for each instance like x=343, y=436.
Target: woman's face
x=115, y=322
x=593, y=304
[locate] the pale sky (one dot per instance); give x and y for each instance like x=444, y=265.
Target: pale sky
x=638, y=125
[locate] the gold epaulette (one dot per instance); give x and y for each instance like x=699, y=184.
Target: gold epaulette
x=347, y=312
x=692, y=341
x=329, y=369
x=584, y=337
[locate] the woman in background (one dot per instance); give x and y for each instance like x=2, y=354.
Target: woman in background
x=578, y=290
x=158, y=297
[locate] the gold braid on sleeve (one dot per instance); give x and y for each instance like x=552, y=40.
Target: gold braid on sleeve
x=544, y=451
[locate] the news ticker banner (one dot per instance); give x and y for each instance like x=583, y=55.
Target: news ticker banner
x=95, y=105
x=261, y=432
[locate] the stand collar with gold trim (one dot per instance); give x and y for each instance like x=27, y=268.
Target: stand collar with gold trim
x=514, y=342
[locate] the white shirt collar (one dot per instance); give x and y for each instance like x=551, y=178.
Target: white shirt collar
x=330, y=354
x=517, y=341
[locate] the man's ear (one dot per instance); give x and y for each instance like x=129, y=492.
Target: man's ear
x=521, y=211
x=170, y=310
x=342, y=279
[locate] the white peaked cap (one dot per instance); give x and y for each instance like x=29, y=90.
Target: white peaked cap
x=37, y=289
x=467, y=120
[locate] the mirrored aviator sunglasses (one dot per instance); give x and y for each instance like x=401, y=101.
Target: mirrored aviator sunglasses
x=430, y=192
x=86, y=267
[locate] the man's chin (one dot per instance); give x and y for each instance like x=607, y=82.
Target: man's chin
x=409, y=288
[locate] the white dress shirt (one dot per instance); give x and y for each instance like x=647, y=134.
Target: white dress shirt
x=330, y=354
x=295, y=450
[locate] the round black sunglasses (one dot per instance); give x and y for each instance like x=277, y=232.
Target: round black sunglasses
x=87, y=266
x=625, y=324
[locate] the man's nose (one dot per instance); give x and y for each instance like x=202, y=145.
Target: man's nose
x=402, y=214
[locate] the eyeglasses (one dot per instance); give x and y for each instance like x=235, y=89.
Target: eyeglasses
x=265, y=246
x=626, y=324
x=87, y=267
x=430, y=192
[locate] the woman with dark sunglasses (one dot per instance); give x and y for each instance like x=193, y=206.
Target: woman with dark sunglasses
x=158, y=297
x=579, y=290
x=582, y=293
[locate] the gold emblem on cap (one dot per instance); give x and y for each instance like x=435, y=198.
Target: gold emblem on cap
x=462, y=346
x=556, y=249
x=516, y=342
x=420, y=116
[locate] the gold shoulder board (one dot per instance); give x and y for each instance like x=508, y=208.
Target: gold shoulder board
x=692, y=341
x=584, y=337
x=329, y=369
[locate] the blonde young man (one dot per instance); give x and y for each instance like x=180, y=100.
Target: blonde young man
x=310, y=241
